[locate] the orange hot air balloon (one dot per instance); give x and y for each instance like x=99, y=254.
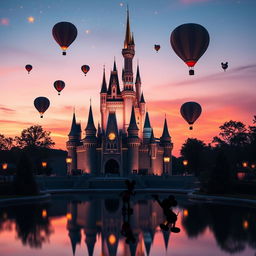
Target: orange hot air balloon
x=190, y=111
x=59, y=86
x=41, y=104
x=28, y=67
x=85, y=69
x=190, y=41
x=157, y=47
x=64, y=34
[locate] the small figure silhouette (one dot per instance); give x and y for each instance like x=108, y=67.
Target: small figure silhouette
x=171, y=217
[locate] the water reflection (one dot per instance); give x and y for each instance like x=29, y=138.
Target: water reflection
x=130, y=222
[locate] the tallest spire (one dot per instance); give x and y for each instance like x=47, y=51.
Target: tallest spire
x=128, y=37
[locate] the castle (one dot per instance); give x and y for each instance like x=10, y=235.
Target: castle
x=124, y=143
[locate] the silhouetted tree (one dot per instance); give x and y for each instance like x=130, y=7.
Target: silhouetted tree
x=6, y=143
x=24, y=182
x=34, y=137
x=232, y=133
x=194, y=151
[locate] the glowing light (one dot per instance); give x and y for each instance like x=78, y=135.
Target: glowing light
x=253, y=166
x=4, y=21
x=121, y=4
x=245, y=224
x=185, y=212
x=112, y=239
x=87, y=31
x=69, y=216
x=111, y=136
x=166, y=159
x=240, y=175
x=31, y=19
x=68, y=160
x=44, y=213
x=185, y=162
x=44, y=164
x=4, y=166
x=244, y=164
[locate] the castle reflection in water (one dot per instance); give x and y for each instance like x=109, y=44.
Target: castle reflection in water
x=97, y=221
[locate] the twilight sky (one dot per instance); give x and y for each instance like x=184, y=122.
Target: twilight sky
x=26, y=38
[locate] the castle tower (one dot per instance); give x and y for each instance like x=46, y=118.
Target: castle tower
x=138, y=85
x=147, y=130
x=142, y=114
x=103, y=101
x=90, y=143
x=128, y=93
x=133, y=142
x=165, y=142
x=74, y=137
x=153, y=153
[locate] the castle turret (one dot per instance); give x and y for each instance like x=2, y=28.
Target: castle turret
x=133, y=142
x=128, y=92
x=147, y=130
x=153, y=153
x=74, y=137
x=90, y=143
x=165, y=141
x=103, y=101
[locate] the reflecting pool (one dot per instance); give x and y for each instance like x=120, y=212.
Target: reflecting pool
x=97, y=224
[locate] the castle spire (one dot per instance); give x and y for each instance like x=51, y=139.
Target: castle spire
x=74, y=126
x=133, y=126
x=142, y=100
x=127, y=40
x=138, y=80
x=147, y=122
x=165, y=135
x=90, y=128
x=104, y=84
x=114, y=67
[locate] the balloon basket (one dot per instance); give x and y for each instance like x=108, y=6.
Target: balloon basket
x=191, y=72
x=58, y=93
x=191, y=128
x=64, y=53
x=41, y=116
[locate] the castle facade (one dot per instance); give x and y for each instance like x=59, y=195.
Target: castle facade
x=124, y=143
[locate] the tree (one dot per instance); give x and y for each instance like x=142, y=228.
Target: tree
x=194, y=151
x=34, y=137
x=232, y=133
x=6, y=143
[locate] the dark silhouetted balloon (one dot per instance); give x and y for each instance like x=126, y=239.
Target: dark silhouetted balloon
x=224, y=65
x=157, y=47
x=190, y=41
x=64, y=34
x=41, y=104
x=28, y=67
x=85, y=69
x=59, y=86
x=190, y=111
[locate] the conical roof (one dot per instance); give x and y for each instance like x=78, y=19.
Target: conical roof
x=165, y=135
x=104, y=84
x=90, y=128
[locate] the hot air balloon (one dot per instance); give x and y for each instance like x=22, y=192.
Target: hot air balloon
x=224, y=65
x=157, y=47
x=64, y=34
x=28, y=67
x=190, y=111
x=59, y=86
x=41, y=104
x=85, y=69
x=189, y=42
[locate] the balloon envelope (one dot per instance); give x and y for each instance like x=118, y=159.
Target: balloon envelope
x=64, y=34
x=190, y=111
x=41, y=104
x=190, y=41
x=157, y=47
x=59, y=85
x=85, y=69
x=28, y=67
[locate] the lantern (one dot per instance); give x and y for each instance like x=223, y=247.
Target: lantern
x=68, y=160
x=185, y=162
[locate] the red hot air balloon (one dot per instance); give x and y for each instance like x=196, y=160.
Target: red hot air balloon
x=64, y=34
x=190, y=111
x=157, y=47
x=85, y=69
x=189, y=42
x=59, y=86
x=41, y=104
x=28, y=67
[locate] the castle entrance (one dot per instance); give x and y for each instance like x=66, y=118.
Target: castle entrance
x=112, y=167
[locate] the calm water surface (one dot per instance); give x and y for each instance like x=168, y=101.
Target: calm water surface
x=91, y=225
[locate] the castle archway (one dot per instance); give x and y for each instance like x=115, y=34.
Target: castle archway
x=112, y=167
